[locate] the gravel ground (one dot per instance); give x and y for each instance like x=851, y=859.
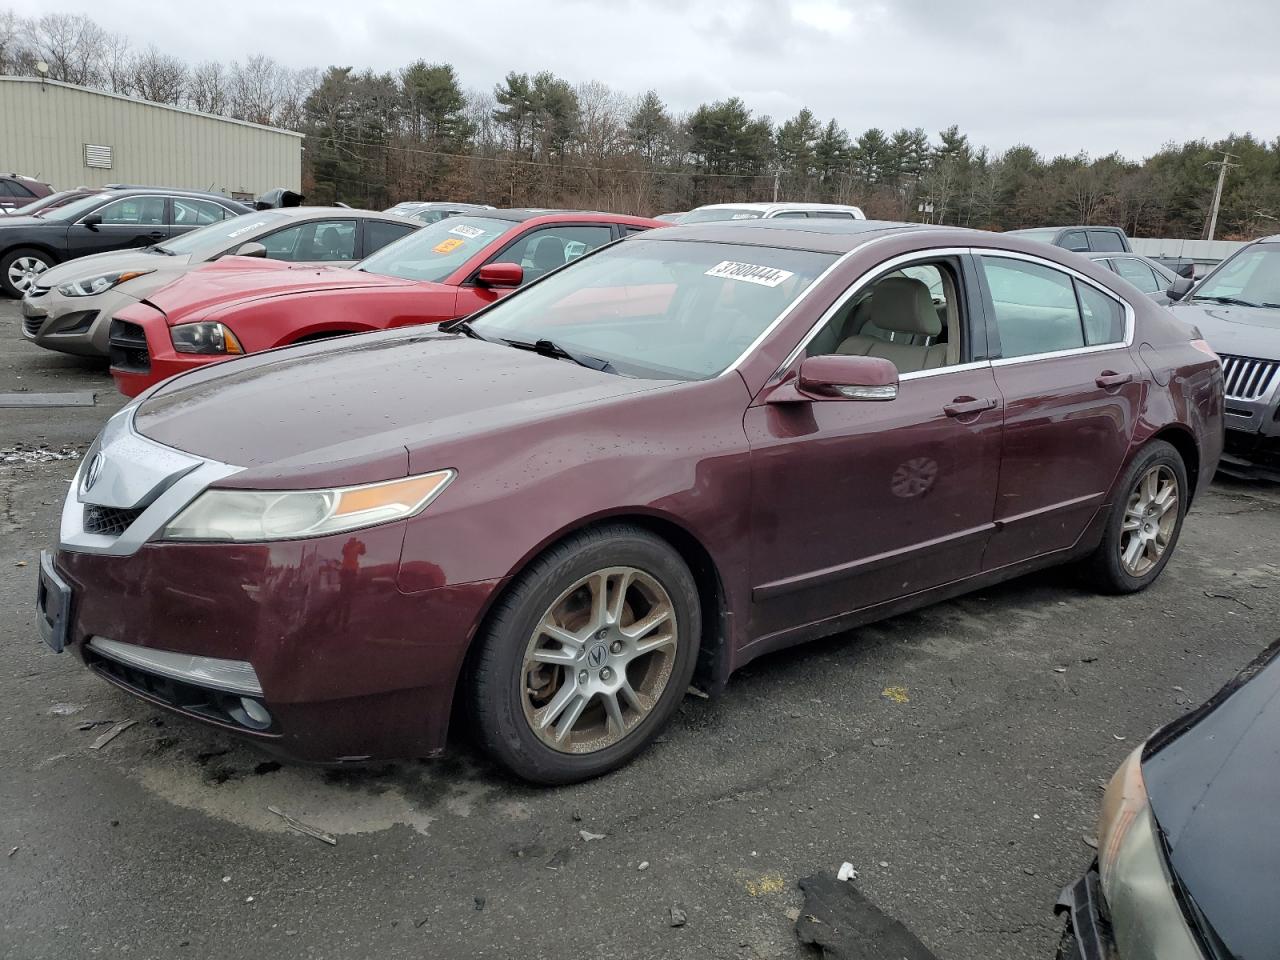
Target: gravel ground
x=954, y=756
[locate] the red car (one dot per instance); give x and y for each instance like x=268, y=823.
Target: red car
x=686, y=450
x=448, y=269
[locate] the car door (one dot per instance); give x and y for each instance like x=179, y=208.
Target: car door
x=858, y=502
x=538, y=251
x=136, y=221
x=1072, y=392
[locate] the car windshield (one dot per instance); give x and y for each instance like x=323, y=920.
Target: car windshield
x=1250, y=278
x=77, y=208
x=38, y=207
x=719, y=213
x=216, y=237
x=436, y=250
x=673, y=309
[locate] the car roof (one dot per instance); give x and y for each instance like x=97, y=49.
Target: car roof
x=306, y=212
x=1072, y=226
x=169, y=191
x=823, y=236
x=521, y=214
x=766, y=207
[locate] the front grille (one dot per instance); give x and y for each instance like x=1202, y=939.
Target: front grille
x=109, y=521
x=32, y=325
x=36, y=292
x=1247, y=378
x=127, y=347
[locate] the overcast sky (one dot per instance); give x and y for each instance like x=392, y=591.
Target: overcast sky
x=1125, y=75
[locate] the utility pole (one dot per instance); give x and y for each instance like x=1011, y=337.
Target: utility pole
x=777, y=177
x=1223, y=166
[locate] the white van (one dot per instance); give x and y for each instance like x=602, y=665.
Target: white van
x=764, y=211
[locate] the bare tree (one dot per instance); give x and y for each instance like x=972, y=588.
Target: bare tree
x=159, y=77
x=207, y=87
x=15, y=52
x=71, y=44
x=116, y=63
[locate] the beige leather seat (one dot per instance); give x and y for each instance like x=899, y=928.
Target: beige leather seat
x=901, y=305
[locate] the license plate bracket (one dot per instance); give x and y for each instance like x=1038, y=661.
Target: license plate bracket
x=53, y=604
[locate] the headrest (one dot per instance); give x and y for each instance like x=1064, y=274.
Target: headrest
x=904, y=305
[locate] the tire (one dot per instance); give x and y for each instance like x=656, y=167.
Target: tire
x=1107, y=565
x=23, y=261
x=627, y=695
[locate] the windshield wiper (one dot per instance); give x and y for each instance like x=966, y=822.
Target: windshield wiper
x=156, y=248
x=549, y=348
x=1228, y=301
x=464, y=326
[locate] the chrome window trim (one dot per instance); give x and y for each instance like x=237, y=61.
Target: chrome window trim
x=1130, y=315
x=164, y=507
x=853, y=290
x=953, y=368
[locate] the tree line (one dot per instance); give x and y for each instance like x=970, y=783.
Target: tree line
x=373, y=139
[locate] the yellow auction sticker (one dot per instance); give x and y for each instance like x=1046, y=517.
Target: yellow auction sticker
x=448, y=246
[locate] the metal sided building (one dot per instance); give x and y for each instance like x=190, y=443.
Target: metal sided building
x=70, y=136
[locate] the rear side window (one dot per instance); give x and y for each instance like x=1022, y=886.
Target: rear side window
x=790, y=213
x=1139, y=274
x=1103, y=316
x=378, y=233
x=1107, y=240
x=10, y=189
x=830, y=215
x=1035, y=307
x=1075, y=240
x=189, y=212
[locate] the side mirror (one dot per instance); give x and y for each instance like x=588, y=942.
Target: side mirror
x=840, y=377
x=1180, y=287
x=92, y=221
x=251, y=249
x=500, y=275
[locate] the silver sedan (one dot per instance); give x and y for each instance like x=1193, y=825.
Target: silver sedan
x=69, y=309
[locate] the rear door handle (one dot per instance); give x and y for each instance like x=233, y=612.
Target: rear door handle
x=1109, y=378
x=967, y=406
x=156, y=235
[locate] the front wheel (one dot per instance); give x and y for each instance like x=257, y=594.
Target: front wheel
x=1144, y=522
x=20, y=268
x=587, y=656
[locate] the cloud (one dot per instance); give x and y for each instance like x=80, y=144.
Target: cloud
x=1127, y=75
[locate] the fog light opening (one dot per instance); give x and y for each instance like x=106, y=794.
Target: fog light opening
x=249, y=713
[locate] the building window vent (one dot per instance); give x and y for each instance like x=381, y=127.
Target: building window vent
x=95, y=156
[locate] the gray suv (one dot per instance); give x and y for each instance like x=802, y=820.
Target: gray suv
x=1237, y=309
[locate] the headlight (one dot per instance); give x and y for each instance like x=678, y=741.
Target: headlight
x=254, y=515
x=88, y=286
x=204, y=338
x=1146, y=918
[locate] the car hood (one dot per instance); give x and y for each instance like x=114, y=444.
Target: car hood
x=361, y=408
x=17, y=222
x=1236, y=331
x=1213, y=779
x=110, y=262
x=233, y=280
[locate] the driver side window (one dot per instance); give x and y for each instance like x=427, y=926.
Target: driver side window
x=910, y=316
x=541, y=251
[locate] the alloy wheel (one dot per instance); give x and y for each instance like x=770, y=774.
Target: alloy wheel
x=599, y=660
x=1150, y=519
x=23, y=272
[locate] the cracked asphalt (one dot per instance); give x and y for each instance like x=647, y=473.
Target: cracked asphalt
x=954, y=756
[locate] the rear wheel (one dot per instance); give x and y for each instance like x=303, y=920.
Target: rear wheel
x=1144, y=523
x=20, y=268
x=587, y=656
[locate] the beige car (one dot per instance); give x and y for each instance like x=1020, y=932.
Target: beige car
x=71, y=306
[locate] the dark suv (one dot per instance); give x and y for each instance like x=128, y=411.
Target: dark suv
x=1080, y=239
x=110, y=220
x=17, y=191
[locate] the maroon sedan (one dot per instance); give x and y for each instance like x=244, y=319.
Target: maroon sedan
x=683, y=451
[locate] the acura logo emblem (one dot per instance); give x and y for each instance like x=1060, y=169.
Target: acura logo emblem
x=92, y=472
x=597, y=655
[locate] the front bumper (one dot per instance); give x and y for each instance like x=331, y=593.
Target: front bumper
x=142, y=353
x=1088, y=928
x=74, y=325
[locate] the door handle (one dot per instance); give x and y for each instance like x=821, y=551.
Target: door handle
x=967, y=406
x=1109, y=378
x=156, y=234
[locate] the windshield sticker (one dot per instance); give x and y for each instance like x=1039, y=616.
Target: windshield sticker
x=448, y=246
x=253, y=226
x=749, y=273
x=470, y=233
x=745, y=216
